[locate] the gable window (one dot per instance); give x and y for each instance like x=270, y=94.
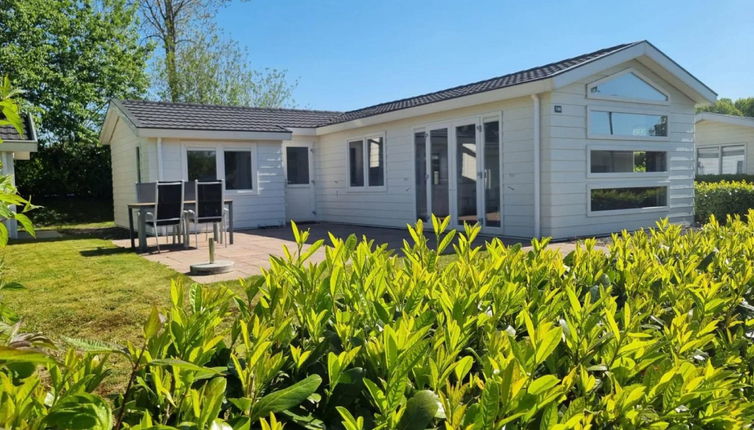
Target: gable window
x=201, y=164
x=238, y=170
x=625, y=124
x=366, y=162
x=609, y=161
x=627, y=85
x=610, y=199
x=720, y=160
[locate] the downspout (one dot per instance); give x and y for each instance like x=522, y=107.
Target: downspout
x=537, y=165
x=159, y=158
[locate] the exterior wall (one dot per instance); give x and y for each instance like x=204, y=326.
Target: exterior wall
x=395, y=206
x=9, y=169
x=262, y=206
x=123, y=158
x=716, y=134
x=565, y=178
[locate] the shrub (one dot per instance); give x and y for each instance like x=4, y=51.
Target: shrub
x=727, y=178
x=652, y=333
x=722, y=199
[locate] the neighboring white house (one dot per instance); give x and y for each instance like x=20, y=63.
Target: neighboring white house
x=14, y=147
x=724, y=144
x=584, y=146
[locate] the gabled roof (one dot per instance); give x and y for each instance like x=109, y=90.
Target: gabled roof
x=190, y=116
x=743, y=121
x=8, y=133
x=509, y=80
x=185, y=117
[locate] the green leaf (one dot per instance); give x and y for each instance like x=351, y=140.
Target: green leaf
x=94, y=346
x=547, y=344
x=420, y=409
x=286, y=398
x=542, y=384
x=153, y=324
x=8, y=354
x=80, y=411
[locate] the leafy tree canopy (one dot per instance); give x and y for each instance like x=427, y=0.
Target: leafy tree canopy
x=740, y=107
x=71, y=57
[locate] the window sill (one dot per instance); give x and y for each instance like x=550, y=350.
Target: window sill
x=380, y=189
x=615, y=212
x=629, y=175
x=637, y=138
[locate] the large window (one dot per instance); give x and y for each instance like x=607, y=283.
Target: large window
x=238, y=170
x=608, y=199
x=202, y=165
x=607, y=161
x=619, y=124
x=628, y=85
x=366, y=162
x=717, y=160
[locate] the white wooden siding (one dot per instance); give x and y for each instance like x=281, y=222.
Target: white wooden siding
x=123, y=158
x=565, y=182
x=710, y=133
x=395, y=206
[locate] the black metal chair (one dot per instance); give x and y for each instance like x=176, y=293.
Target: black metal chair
x=168, y=209
x=209, y=208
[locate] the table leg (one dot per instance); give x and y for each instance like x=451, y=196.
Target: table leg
x=230, y=221
x=131, y=227
x=142, y=230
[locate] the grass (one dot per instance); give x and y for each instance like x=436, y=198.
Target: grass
x=85, y=287
x=72, y=213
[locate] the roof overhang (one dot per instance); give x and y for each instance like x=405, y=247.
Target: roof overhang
x=742, y=121
x=116, y=114
x=18, y=146
x=643, y=52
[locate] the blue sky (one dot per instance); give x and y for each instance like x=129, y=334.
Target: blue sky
x=351, y=54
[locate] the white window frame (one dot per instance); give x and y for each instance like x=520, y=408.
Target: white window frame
x=720, y=158
x=641, y=76
x=591, y=108
x=310, y=154
x=631, y=184
x=632, y=175
x=220, y=149
x=366, y=187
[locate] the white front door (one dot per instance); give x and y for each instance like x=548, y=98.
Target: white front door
x=299, y=189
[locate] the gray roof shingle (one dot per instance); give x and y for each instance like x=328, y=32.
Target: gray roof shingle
x=149, y=114
x=8, y=132
x=190, y=116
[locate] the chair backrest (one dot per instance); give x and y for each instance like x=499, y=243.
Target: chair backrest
x=146, y=192
x=189, y=190
x=209, y=200
x=169, y=201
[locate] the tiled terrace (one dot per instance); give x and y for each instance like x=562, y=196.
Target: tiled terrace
x=252, y=248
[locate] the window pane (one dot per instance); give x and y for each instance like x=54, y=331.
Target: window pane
x=356, y=163
x=238, y=170
x=733, y=160
x=707, y=161
x=439, y=173
x=628, y=124
x=297, y=161
x=628, y=86
x=607, y=199
x=466, y=173
x=627, y=161
x=492, y=178
x=376, y=162
x=202, y=165
x=420, y=145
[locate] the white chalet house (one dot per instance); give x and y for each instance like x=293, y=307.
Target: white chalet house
x=584, y=146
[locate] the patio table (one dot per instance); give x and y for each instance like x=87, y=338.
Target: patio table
x=142, y=206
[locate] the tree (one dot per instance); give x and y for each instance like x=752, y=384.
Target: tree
x=740, y=107
x=199, y=65
x=71, y=57
x=211, y=69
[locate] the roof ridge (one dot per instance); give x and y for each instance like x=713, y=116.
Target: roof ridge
x=603, y=51
x=211, y=105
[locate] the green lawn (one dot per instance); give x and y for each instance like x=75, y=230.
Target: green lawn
x=72, y=213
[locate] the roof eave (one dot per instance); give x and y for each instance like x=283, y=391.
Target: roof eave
x=520, y=90
x=742, y=121
x=212, y=134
